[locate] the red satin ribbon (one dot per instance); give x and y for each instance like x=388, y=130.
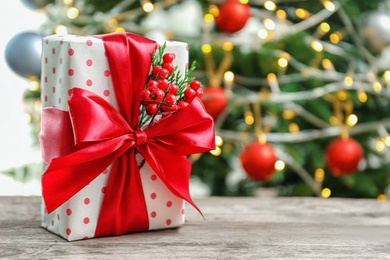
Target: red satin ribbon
x=105, y=136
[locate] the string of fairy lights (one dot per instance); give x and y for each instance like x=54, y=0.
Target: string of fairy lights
x=362, y=83
x=274, y=25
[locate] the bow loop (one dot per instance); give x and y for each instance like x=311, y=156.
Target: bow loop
x=98, y=121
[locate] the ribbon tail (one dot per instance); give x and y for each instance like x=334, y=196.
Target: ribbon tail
x=58, y=181
x=179, y=179
x=175, y=178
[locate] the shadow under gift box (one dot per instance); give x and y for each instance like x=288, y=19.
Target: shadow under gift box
x=81, y=62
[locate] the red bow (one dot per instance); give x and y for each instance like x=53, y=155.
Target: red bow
x=104, y=136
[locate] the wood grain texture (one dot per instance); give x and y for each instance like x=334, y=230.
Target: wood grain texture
x=235, y=228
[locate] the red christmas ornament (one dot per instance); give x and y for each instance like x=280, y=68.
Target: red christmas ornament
x=232, y=16
x=258, y=161
x=214, y=100
x=343, y=156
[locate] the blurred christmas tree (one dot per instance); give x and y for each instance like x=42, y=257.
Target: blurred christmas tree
x=299, y=89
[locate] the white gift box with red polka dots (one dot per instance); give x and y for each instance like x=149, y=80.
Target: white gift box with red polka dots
x=77, y=61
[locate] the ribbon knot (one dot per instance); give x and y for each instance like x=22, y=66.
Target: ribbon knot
x=140, y=137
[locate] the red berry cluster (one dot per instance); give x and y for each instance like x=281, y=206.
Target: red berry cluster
x=166, y=94
x=193, y=91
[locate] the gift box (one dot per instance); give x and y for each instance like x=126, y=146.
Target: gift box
x=104, y=174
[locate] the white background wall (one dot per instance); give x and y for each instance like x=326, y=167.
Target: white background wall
x=15, y=138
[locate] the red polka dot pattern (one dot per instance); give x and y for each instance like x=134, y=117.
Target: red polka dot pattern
x=88, y=82
x=75, y=61
x=77, y=218
x=86, y=220
x=165, y=209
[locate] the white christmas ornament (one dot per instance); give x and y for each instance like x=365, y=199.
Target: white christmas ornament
x=247, y=38
x=375, y=30
x=182, y=19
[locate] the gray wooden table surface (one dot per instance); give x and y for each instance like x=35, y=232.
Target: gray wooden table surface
x=235, y=228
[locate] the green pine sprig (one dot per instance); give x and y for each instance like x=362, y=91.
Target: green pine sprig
x=174, y=78
x=183, y=83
